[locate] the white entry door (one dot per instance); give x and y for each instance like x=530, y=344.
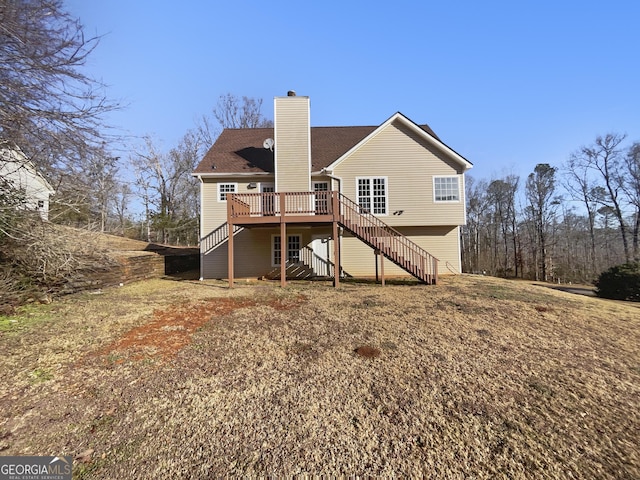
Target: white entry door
x=321, y=249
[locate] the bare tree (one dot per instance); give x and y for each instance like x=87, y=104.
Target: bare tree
x=168, y=191
x=605, y=158
x=101, y=171
x=121, y=199
x=502, y=194
x=472, y=245
x=580, y=185
x=48, y=106
x=231, y=112
x=540, y=192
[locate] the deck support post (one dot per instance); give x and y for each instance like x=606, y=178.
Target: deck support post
x=375, y=256
x=336, y=255
x=284, y=243
x=381, y=268
x=435, y=271
x=335, y=209
x=229, y=241
x=283, y=254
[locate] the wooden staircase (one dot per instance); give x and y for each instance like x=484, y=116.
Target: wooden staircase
x=217, y=237
x=368, y=228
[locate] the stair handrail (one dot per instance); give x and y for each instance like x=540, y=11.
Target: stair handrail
x=421, y=263
x=217, y=237
x=312, y=259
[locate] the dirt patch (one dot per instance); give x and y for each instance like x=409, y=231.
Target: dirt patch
x=367, y=351
x=172, y=328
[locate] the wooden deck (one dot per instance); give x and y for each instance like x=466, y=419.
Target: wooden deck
x=248, y=209
x=328, y=208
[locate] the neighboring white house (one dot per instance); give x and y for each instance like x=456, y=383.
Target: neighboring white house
x=17, y=172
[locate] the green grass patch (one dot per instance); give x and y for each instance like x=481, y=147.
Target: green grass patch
x=25, y=318
x=40, y=375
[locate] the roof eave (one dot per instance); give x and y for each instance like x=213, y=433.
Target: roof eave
x=229, y=174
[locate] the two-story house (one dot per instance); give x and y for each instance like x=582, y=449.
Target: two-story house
x=321, y=197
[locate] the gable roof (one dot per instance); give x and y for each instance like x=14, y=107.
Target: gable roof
x=15, y=166
x=241, y=151
x=425, y=133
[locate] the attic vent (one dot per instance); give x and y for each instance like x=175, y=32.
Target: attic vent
x=291, y=93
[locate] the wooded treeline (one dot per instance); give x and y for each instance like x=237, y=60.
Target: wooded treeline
x=55, y=114
x=145, y=192
x=560, y=223
x=564, y=223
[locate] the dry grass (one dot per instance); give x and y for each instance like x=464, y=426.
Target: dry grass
x=474, y=377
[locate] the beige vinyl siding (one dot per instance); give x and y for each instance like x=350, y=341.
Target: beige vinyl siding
x=214, y=212
x=358, y=259
x=292, y=144
x=409, y=164
x=252, y=249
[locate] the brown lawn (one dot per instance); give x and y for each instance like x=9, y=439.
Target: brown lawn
x=474, y=377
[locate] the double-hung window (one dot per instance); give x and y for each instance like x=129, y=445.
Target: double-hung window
x=446, y=189
x=372, y=195
x=224, y=188
x=294, y=244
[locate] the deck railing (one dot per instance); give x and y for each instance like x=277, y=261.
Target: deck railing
x=273, y=204
x=361, y=223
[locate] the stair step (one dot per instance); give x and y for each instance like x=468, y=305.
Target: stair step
x=379, y=236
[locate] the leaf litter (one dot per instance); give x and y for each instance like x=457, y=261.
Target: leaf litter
x=472, y=377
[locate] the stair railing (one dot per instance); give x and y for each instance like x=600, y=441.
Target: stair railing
x=217, y=237
x=392, y=244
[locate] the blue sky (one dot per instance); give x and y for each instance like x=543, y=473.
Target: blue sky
x=506, y=84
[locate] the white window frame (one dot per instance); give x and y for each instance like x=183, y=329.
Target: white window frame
x=372, y=196
x=289, y=251
x=435, y=193
x=220, y=192
x=324, y=206
x=323, y=182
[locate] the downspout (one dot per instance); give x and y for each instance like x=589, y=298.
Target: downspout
x=200, y=242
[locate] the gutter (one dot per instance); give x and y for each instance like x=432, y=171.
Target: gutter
x=327, y=173
x=238, y=174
